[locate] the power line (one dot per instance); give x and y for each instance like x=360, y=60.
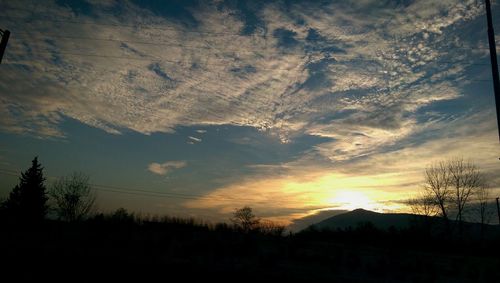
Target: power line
x=195, y=47
x=9, y=62
x=178, y=63
x=176, y=29
x=192, y=47
x=141, y=192
x=133, y=190
x=151, y=57
x=170, y=194
x=183, y=46
x=140, y=26
x=162, y=28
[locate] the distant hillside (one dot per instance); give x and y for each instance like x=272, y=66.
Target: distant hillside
x=400, y=221
x=304, y=222
x=379, y=220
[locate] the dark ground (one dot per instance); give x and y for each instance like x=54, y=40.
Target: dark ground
x=104, y=249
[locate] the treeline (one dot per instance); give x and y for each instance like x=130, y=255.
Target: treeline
x=72, y=199
x=123, y=246
x=243, y=221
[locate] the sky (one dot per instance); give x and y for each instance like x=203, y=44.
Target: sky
x=196, y=108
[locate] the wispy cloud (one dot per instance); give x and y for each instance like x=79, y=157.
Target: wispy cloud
x=193, y=139
x=208, y=77
x=166, y=167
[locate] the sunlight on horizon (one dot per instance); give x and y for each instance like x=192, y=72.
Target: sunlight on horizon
x=351, y=200
x=309, y=194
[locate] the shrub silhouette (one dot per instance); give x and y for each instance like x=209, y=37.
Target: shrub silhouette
x=121, y=215
x=271, y=228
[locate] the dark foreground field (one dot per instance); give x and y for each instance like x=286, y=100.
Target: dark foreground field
x=124, y=249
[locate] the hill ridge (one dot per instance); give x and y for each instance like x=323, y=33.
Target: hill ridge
x=354, y=217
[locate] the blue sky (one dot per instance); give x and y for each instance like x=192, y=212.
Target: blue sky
x=288, y=106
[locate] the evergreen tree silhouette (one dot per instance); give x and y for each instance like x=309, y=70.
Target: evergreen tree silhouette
x=28, y=200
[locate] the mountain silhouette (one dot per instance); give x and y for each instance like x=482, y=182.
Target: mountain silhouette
x=384, y=221
x=359, y=216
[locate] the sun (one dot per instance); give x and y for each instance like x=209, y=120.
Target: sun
x=350, y=200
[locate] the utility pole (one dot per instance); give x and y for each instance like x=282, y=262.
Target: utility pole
x=494, y=63
x=494, y=71
x=3, y=44
x=498, y=211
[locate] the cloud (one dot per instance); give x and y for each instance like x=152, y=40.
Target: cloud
x=166, y=167
x=272, y=82
x=193, y=139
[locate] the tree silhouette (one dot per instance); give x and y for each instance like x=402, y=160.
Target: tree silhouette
x=73, y=196
x=437, y=186
x=28, y=200
x=245, y=219
x=450, y=184
x=466, y=180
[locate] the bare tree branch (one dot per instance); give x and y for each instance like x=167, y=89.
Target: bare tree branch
x=437, y=186
x=73, y=196
x=245, y=219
